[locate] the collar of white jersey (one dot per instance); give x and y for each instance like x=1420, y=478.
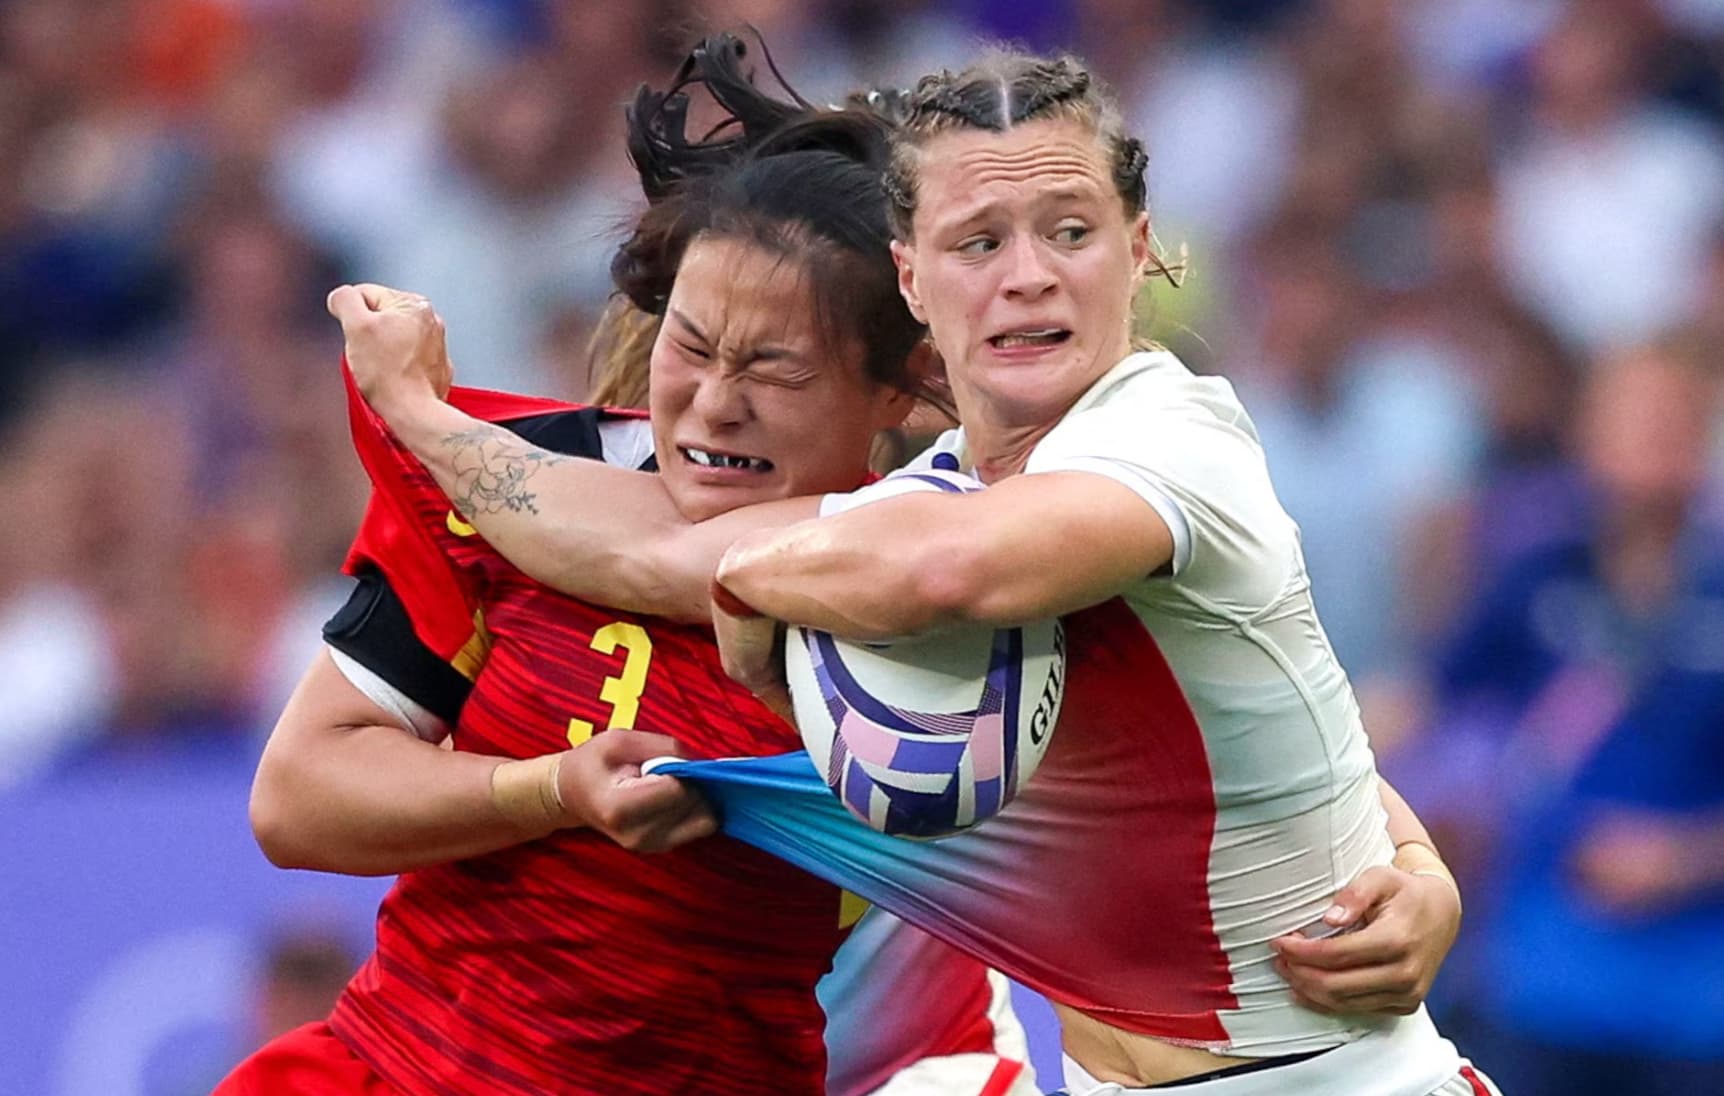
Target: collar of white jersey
x=1142, y=361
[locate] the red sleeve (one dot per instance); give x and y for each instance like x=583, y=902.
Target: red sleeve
x=482, y=403
x=405, y=532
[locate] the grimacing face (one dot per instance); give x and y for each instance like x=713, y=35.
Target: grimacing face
x=750, y=402
x=1024, y=266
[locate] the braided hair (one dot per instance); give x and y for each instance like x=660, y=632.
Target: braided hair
x=1007, y=88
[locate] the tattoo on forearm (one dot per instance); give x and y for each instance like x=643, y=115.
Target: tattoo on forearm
x=492, y=467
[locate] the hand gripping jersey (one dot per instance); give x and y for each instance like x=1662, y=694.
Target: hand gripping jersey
x=569, y=965
x=1209, y=786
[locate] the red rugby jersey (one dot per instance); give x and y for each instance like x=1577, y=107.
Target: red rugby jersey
x=567, y=965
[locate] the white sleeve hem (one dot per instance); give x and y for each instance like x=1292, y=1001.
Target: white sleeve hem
x=408, y=713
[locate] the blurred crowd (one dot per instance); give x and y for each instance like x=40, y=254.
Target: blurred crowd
x=1464, y=260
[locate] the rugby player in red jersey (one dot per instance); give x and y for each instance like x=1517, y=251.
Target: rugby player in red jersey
x=525, y=948
x=519, y=953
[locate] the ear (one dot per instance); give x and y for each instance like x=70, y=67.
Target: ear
x=922, y=365
x=904, y=257
x=1140, y=244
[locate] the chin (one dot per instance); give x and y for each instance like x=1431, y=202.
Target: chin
x=1033, y=396
x=700, y=501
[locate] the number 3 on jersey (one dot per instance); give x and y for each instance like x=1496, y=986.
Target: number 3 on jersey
x=622, y=691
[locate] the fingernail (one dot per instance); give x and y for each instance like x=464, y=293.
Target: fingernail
x=1335, y=914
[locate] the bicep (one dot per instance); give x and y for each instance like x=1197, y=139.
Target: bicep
x=1403, y=823
x=1052, y=543
x=1029, y=548
x=326, y=700
x=1103, y=505
x=324, y=710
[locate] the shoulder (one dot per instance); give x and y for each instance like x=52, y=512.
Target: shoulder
x=1185, y=445
x=1159, y=378
x=617, y=435
x=1117, y=409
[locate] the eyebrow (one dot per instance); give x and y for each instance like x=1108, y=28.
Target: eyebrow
x=769, y=353
x=688, y=325
x=1071, y=192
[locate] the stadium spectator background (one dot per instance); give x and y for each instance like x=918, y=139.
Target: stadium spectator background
x=1418, y=232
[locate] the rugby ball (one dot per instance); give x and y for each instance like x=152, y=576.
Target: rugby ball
x=926, y=736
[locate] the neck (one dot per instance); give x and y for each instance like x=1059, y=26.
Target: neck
x=1000, y=438
x=1001, y=451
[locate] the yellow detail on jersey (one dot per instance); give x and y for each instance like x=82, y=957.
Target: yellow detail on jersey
x=851, y=907
x=579, y=731
x=622, y=691
x=459, y=527
x=471, y=657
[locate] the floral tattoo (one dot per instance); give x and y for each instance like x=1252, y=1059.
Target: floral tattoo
x=492, y=468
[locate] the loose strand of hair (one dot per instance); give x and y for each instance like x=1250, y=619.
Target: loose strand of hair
x=619, y=355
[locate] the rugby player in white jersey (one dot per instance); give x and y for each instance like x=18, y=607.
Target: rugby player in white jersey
x=1134, y=494
x=1023, y=243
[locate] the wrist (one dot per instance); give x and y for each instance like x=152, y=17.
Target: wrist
x=406, y=408
x=528, y=794
x=1439, y=871
x=1417, y=853
x=729, y=603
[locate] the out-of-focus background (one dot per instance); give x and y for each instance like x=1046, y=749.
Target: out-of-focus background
x=1463, y=258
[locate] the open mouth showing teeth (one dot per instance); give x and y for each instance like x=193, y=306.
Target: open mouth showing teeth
x=725, y=460
x=1051, y=336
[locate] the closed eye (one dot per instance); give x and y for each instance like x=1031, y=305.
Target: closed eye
x=693, y=351
x=781, y=369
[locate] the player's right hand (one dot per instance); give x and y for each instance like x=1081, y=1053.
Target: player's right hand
x=602, y=788
x=395, y=345
x=751, y=648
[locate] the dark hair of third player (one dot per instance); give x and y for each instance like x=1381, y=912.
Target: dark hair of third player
x=793, y=179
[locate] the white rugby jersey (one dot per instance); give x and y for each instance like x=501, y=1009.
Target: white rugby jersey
x=1258, y=793
x=1209, y=786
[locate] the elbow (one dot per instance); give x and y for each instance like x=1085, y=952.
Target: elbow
x=278, y=825
x=271, y=827
x=948, y=585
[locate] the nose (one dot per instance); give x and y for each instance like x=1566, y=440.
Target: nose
x=1027, y=273
x=719, y=399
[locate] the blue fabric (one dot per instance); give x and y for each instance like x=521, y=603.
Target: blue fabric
x=1552, y=636
x=782, y=805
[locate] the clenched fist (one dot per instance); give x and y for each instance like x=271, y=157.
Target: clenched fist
x=601, y=786
x=394, y=345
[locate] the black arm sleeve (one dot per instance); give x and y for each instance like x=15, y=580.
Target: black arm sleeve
x=374, y=630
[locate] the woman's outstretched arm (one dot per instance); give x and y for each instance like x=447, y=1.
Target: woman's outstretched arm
x=600, y=533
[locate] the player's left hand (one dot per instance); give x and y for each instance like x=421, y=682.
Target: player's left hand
x=395, y=345
x=1397, y=929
